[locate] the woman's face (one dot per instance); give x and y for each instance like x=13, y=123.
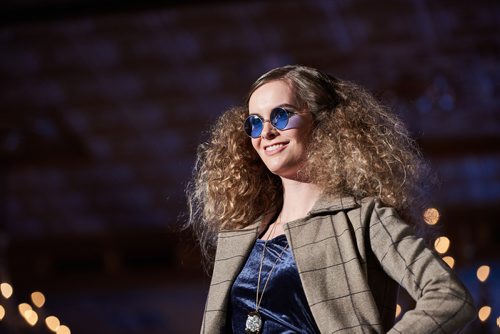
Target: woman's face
x=282, y=151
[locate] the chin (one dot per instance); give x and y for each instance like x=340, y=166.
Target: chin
x=282, y=167
x=284, y=173
x=275, y=170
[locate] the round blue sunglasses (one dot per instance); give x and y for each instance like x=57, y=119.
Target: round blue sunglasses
x=254, y=124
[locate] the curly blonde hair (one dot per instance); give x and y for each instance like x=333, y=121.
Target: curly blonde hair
x=357, y=147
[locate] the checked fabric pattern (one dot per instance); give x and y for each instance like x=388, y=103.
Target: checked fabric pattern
x=351, y=259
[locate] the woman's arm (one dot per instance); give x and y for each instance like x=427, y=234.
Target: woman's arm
x=443, y=304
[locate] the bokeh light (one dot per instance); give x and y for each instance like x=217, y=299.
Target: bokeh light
x=31, y=317
x=442, y=244
x=6, y=290
x=52, y=323
x=398, y=310
x=63, y=330
x=450, y=261
x=23, y=307
x=482, y=273
x=484, y=313
x=38, y=298
x=431, y=216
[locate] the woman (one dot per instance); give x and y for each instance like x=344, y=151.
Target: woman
x=309, y=195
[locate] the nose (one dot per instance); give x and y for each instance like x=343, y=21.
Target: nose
x=268, y=132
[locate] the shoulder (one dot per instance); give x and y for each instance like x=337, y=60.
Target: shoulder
x=375, y=211
x=372, y=213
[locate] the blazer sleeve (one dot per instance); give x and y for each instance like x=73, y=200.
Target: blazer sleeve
x=443, y=304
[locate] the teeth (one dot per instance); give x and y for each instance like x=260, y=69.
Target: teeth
x=274, y=147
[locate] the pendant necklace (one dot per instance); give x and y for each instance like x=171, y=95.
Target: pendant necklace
x=254, y=320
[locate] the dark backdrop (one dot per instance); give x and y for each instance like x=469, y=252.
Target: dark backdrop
x=104, y=102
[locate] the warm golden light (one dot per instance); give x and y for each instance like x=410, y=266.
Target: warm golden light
x=482, y=273
x=38, y=298
x=2, y=312
x=442, y=244
x=449, y=261
x=23, y=307
x=31, y=317
x=52, y=323
x=6, y=290
x=63, y=330
x=398, y=310
x=498, y=322
x=484, y=313
x=431, y=216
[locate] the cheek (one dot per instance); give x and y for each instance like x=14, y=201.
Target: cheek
x=255, y=144
x=304, y=134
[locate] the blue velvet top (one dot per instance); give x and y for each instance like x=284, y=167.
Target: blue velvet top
x=284, y=307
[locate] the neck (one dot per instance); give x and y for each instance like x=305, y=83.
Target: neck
x=298, y=199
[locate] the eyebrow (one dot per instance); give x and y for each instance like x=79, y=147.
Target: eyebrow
x=282, y=105
x=287, y=105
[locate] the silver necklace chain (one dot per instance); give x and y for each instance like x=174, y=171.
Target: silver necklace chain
x=258, y=300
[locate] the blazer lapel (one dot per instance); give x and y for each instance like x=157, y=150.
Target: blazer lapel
x=233, y=248
x=317, y=248
x=303, y=235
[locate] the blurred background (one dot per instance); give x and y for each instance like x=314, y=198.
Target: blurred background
x=102, y=105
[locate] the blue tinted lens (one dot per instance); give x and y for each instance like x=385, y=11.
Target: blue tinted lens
x=253, y=126
x=279, y=118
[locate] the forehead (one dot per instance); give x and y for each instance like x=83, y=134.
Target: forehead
x=270, y=95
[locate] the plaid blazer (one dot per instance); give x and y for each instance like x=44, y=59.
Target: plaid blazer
x=351, y=257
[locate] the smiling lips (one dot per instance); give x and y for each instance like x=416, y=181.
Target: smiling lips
x=275, y=148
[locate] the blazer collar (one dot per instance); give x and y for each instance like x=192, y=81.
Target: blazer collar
x=325, y=204
x=331, y=203
x=252, y=227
